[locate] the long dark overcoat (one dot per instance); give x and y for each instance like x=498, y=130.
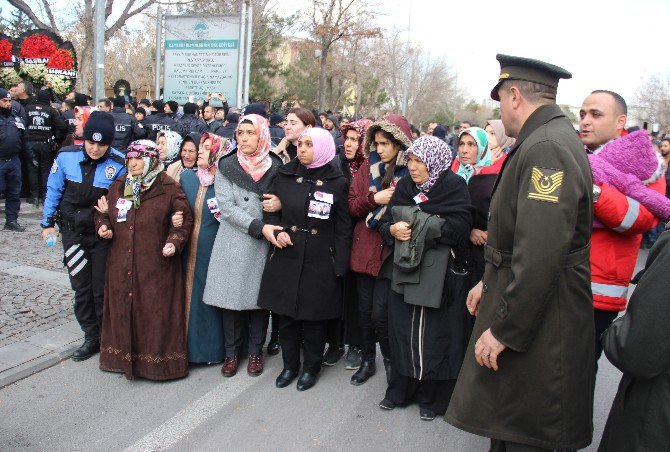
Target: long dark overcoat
x=144, y=315
x=537, y=297
x=304, y=281
x=638, y=344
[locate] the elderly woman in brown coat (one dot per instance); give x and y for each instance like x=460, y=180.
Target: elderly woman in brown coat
x=144, y=322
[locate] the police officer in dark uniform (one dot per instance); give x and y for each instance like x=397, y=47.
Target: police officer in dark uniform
x=14, y=142
x=160, y=122
x=190, y=123
x=80, y=176
x=67, y=113
x=127, y=127
x=46, y=130
x=527, y=378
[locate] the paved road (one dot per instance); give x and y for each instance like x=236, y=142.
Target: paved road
x=75, y=406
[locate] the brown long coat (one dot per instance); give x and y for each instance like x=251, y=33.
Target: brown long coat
x=537, y=297
x=144, y=321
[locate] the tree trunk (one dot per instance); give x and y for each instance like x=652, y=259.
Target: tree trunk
x=85, y=82
x=322, y=77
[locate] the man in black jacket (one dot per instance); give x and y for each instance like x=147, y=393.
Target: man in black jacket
x=15, y=141
x=190, y=123
x=208, y=113
x=160, y=122
x=127, y=129
x=46, y=130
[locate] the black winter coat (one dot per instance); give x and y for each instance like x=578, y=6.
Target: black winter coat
x=160, y=122
x=127, y=129
x=638, y=344
x=190, y=124
x=304, y=281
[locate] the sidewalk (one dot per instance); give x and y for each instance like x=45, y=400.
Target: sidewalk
x=37, y=325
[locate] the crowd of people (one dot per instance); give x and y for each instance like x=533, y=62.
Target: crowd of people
x=487, y=261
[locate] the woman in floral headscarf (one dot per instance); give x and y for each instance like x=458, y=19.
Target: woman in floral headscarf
x=428, y=343
x=168, y=144
x=144, y=329
x=239, y=252
x=474, y=164
x=205, y=322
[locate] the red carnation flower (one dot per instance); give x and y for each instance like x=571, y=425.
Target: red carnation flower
x=61, y=59
x=5, y=50
x=37, y=46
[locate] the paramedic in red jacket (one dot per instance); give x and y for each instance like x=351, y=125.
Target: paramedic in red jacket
x=613, y=248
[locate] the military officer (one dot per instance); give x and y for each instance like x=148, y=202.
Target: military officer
x=528, y=374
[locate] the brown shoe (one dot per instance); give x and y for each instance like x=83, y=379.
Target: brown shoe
x=255, y=365
x=230, y=366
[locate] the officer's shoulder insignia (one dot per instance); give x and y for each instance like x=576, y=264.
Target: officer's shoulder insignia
x=545, y=184
x=54, y=167
x=110, y=171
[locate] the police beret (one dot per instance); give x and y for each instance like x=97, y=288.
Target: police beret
x=4, y=94
x=99, y=128
x=529, y=70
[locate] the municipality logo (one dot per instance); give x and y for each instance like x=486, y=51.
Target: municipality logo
x=201, y=30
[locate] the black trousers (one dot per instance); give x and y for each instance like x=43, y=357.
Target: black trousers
x=10, y=185
x=44, y=154
x=345, y=330
x=86, y=260
x=373, y=314
x=602, y=320
x=233, y=328
x=313, y=342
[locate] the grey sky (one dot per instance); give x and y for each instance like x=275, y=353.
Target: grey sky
x=605, y=44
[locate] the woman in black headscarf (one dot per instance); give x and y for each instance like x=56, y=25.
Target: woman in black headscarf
x=428, y=343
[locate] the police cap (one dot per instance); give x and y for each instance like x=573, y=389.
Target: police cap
x=529, y=70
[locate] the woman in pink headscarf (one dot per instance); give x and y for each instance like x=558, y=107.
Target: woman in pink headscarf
x=302, y=281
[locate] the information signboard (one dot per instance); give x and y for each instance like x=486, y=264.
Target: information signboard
x=201, y=56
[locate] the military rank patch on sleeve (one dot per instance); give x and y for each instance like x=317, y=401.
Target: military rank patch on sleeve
x=545, y=184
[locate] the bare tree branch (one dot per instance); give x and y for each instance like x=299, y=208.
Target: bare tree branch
x=127, y=14
x=28, y=11
x=52, y=19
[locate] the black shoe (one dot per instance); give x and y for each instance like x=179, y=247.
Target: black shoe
x=353, y=358
x=89, y=348
x=387, y=367
x=333, y=354
x=306, y=381
x=426, y=414
x=363, y=374
x=386, y=404
x=285, y=378
x=14, y=226
x=273, y=345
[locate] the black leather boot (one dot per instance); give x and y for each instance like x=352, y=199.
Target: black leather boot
x=273, y=345
x=387, y=367
x=89, y=348
x=368, y=368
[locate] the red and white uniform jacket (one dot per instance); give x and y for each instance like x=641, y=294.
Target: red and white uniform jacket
x=614, y=248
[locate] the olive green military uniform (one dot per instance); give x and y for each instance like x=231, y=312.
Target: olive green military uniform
x=536, y=297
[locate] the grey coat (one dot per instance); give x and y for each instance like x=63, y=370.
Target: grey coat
x=240, y=251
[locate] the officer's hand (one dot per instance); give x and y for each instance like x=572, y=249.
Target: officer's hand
x=46, y=232
x=487, y=349
x=177, y=219
x=35, y=163
x=283, y=240
x=401, y=231
x=103, y=206
x=478, y=237
x=105, y=232
x=474, y=297
x=271, y=203
x=269, y=233
x=168, y=250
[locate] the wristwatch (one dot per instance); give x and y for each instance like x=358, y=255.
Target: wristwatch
x=596, y=193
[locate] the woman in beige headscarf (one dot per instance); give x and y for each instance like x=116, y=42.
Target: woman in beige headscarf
x=499, y=142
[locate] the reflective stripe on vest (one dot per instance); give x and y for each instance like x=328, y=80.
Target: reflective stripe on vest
x=609, y=290
x=631, y=216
